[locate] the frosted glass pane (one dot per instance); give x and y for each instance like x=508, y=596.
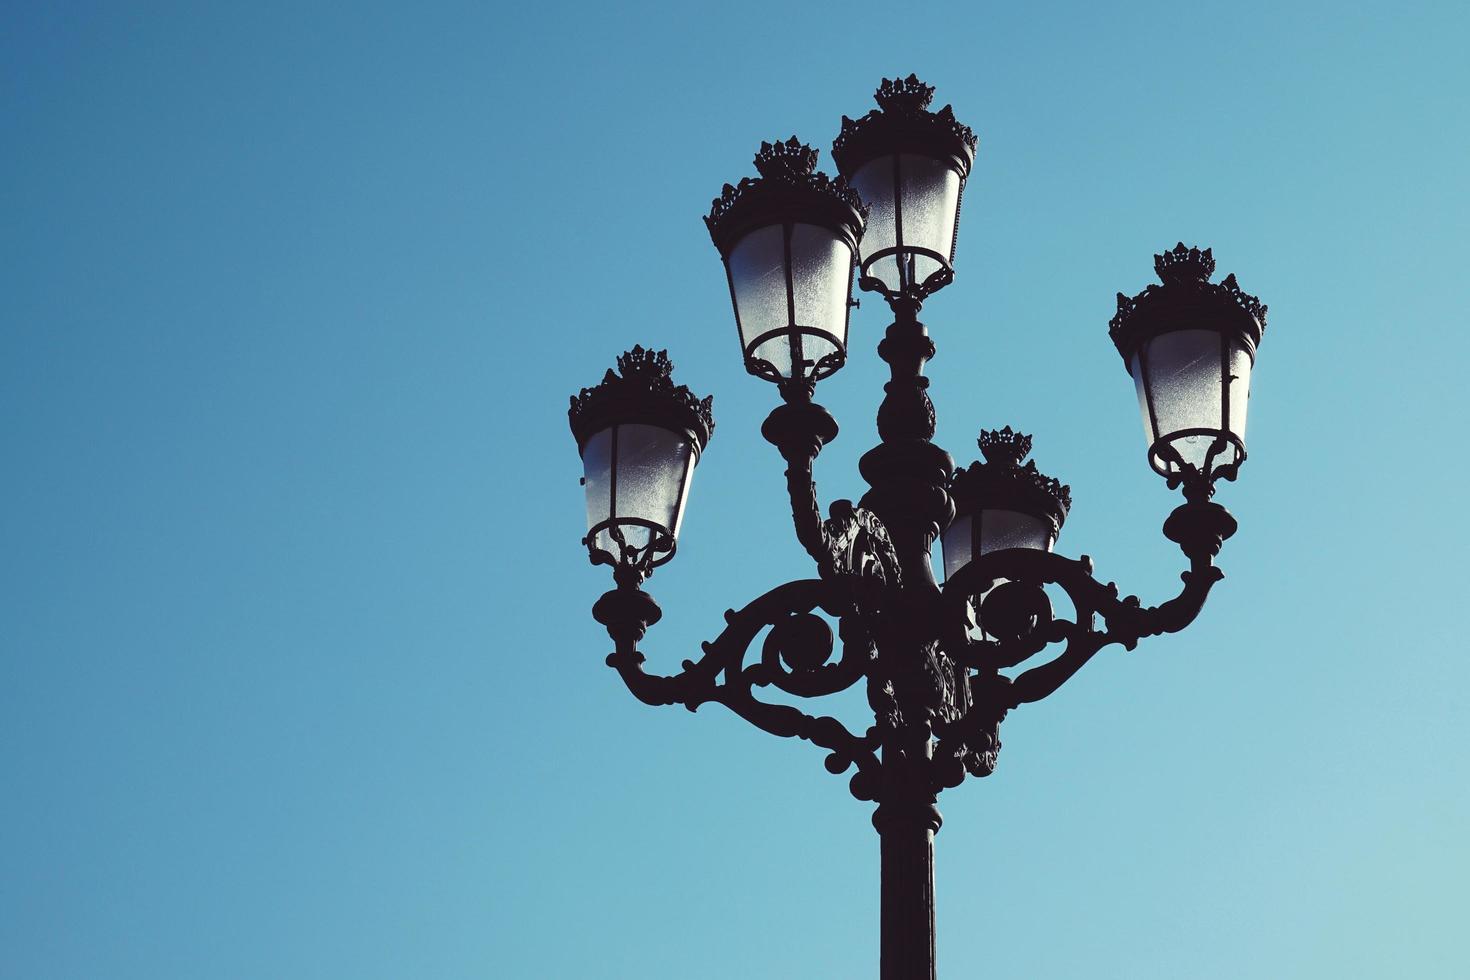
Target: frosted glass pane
x=651, y=465
x=813, y=349
x=777, y=351
x=597, y=476
x=684, y=497
x=1240, y=389
x=1001, y=529
x=1184, y=379
x=758, y=275
x=957, y=545
x=635, y=534
x=885, y=270
x=874, y=183
x=1138, y=387
x=931, y=195
x=820, y=266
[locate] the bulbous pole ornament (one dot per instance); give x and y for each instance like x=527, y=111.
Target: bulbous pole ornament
x=942, y=665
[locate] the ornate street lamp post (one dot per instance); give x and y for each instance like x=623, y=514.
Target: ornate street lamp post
x=934, y=659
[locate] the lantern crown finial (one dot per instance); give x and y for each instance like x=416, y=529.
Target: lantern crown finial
x=642, y=389
x=790, y=187
x=1184, y=265
x=792, y=160
x=902, y=123
x=1186, y=297
x=1007, y=481
x=904, y=95
x=1004, y=447
x=652, y=366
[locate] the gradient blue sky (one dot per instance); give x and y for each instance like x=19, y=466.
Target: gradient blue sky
x=297, y=675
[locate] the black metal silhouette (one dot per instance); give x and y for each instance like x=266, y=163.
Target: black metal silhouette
x=934, y=682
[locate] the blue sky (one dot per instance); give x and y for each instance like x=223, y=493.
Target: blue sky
x=297, y=673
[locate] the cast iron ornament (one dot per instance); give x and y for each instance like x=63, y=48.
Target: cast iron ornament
x=790, y=187
x=1187, y=295
x=642, y=390
x=902, y=123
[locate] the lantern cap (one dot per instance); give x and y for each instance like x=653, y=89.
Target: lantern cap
x=902, y=123
x=642, y=391
x=789, y=188
x=1001, y=482
x=1186, y=300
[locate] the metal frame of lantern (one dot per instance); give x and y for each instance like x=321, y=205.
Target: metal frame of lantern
x=937, y=691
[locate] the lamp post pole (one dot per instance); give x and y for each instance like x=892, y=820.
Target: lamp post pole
x=936, y=661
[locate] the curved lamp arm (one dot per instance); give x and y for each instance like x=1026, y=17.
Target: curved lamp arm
x=799, y=429
x=793, y=659
x=1199, y=527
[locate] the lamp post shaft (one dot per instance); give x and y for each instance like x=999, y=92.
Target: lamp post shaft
x=907, y=473
x=908, y=476
x=908, y=903
x=906, y=820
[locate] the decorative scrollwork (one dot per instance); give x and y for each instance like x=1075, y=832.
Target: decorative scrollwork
x=1186, y=290
x=1010, y=583
x=644, y=377
x=722, y=676
x=859, y=550
x=787, y=163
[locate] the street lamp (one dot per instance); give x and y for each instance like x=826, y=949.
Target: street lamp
x=788, y=239
x=935, y=659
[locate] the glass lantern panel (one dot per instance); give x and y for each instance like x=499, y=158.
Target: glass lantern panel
x=874, y=183
x=1135, y=367
x=651, y=464
x=1182, y=381
x=820, y=277
x=1001, y=529
x=931, y=198
x=812, y=349
x=957, y=542
x=683, y=500
x=597, y=477
x=1240, y=388
x=777, y=352
x=636, y=536
x=758, y=277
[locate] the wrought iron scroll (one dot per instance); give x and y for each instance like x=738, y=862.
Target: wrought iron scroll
x=1028, y=626
x=796, y=657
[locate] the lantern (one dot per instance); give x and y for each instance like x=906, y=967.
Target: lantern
x=909, y=165
x=640, y=438
x=1190, y=345
x=789, y=240
x=1001, y=504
